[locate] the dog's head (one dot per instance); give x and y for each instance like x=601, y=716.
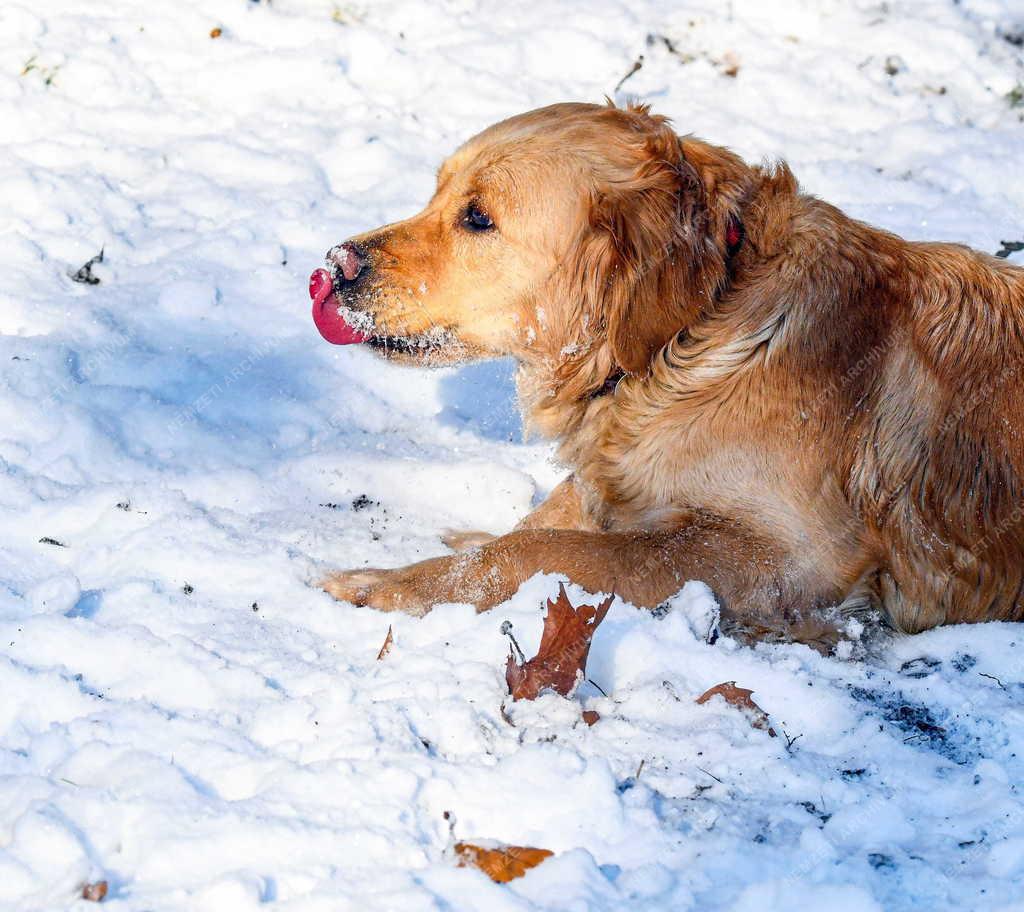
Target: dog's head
x=575, y=233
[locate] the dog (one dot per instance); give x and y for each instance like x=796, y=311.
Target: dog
x=819, y=419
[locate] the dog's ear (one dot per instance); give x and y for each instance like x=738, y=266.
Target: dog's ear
x=659, y=240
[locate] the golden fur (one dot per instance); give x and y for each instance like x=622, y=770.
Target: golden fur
x=822, y=419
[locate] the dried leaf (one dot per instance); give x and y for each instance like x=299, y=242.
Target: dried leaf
x=386, y=648
x=564, y=645
x=730, y=64
x=83, y=275
x=740, y=698
x=590, y=716
x=95, y=892
x=216, y=32
x=501, y=864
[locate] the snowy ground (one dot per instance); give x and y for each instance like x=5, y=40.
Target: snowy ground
x=182, y=716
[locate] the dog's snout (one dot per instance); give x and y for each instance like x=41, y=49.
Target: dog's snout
x=349, y=260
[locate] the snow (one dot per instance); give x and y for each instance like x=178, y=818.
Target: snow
x=183, y=716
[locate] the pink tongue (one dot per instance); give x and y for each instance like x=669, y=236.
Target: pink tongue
x=331, y=324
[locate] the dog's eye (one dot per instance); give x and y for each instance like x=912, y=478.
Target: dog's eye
x=475, y=219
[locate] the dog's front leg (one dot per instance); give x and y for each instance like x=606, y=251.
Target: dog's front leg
x=562, y=509
x=642, y=567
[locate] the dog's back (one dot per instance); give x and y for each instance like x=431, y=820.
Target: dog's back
x=938, y=454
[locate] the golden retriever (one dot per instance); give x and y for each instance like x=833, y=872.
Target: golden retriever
x=816, y=417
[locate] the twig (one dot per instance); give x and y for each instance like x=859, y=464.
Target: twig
x=506, y=717
x=638, y=65
x=506, y=629
x=994, y=678
x=712, y=775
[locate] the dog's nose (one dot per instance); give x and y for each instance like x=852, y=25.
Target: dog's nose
x=349, y=260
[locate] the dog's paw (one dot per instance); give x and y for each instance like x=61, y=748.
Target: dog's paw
x=464, y=541
x=351, y=586
x=385, y=590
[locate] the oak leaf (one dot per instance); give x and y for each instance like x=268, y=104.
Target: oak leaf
x=564, y=645
x=502, y=863
x=740, y=698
